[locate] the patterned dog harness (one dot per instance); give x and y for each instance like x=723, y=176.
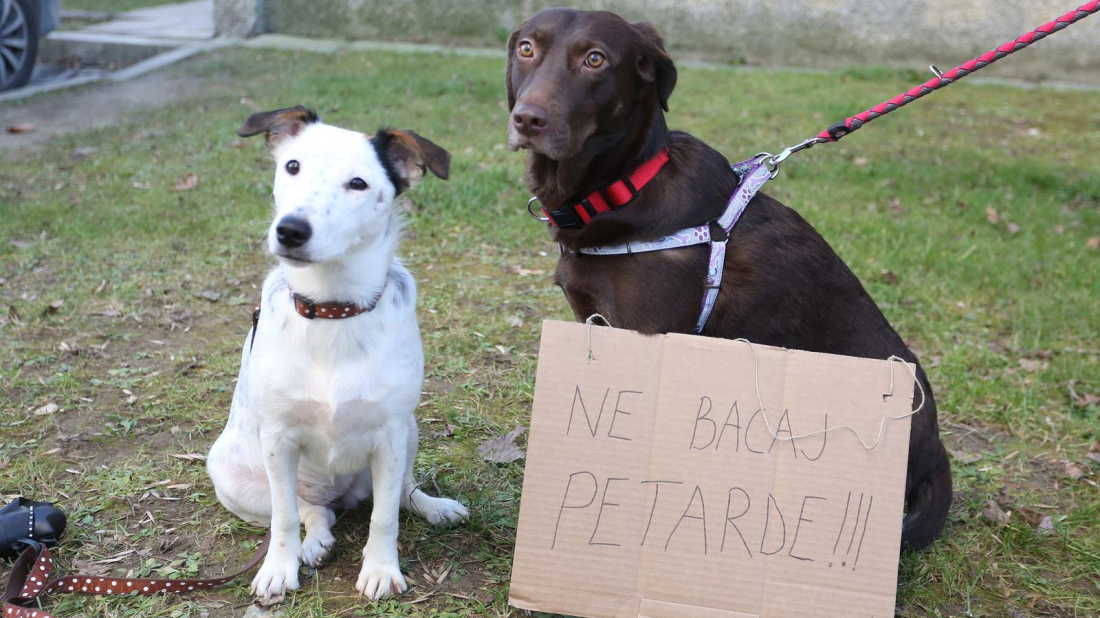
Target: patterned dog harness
x=753, y=173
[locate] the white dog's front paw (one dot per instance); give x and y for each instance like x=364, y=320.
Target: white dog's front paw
x=276, y=576
x=442, y=510
x=316, y=547
x=380, y=579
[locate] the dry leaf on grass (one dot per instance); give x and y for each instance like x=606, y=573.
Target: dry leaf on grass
x=503, y=449
x=1094, y=452
x=1082, y=400
x=888, y=277
x=47, y=409
x=22, y=127
x=1030, y=517
x=1032, y=364
x=187, y=183
x=210, y=295
x=991, y=215
x=995, y=514
x=55, y=306
x=1046, y=525
x=1012, y=228
x=1094, y=242
x=1074, y=471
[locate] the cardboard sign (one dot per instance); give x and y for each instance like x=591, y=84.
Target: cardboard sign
x=654, y=487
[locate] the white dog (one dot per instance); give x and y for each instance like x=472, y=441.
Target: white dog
x=332, y=368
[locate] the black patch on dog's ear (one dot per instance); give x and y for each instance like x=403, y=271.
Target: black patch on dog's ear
x=406, y=156
x=655, y=65
x=381, y=141
x=278, y=124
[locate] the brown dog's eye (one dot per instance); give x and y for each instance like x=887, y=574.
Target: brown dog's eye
x=595, y=60
x=357, y=184
x=526, y=49
x=292, y=167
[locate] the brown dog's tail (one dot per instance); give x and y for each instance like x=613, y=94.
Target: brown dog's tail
x=928, y=502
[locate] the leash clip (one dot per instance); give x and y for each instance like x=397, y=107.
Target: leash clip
x=773, y=161
x=533, y=215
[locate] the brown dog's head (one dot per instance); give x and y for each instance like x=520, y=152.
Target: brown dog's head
x=578, y=79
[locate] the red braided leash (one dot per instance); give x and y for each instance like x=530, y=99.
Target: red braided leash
x=29, y=581
x=853, y=123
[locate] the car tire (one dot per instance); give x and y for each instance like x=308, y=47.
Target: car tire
x=18, y=42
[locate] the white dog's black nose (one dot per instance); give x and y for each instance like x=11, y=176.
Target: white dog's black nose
x=293, y=232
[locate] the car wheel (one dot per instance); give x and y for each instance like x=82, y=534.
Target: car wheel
x=18, y=42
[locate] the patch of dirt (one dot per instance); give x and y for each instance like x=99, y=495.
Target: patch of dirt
x=101, y=104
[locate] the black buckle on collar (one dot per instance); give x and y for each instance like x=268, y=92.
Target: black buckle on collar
x=565, y=218
x=588, y=207
x=630, y=187
x=312, y=308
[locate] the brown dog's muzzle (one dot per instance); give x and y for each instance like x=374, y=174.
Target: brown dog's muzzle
x=529, y=119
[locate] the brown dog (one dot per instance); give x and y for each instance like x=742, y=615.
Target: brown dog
x=588, y=92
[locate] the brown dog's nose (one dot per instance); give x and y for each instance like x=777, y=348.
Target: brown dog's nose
x=530, y=120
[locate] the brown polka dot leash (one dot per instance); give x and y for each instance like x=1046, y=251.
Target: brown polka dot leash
x=30, y=581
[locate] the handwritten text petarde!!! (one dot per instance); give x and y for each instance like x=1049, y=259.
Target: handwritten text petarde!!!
x=657, y=484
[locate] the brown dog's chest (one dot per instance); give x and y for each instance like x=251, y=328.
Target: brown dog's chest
x=648, y=292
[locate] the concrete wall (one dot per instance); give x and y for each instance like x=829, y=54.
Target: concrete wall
x=813, y=33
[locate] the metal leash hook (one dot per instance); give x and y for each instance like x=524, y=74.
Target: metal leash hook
x=531, y=212
x=773, y=161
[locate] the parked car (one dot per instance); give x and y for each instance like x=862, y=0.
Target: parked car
x=22, y=24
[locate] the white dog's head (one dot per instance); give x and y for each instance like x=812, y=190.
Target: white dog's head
x=334, y=188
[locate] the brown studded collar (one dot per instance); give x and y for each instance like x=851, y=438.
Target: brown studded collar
x=311, y=309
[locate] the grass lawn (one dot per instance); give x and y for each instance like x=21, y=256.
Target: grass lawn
x=971, y=217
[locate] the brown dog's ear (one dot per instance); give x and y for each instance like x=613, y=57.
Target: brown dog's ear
x=406, y=156
x=278, y=124
x=655, y=65
x=512, y=41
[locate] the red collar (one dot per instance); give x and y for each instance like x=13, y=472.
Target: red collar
x=615, y=195
x=310, y=309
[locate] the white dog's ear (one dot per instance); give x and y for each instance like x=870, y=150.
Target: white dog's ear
x=406, y=156
x=278, y=124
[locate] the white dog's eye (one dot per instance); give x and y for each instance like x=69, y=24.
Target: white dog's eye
x=292, y=167
x=357, y=184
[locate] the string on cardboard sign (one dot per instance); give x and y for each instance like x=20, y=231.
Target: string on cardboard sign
x=590, y=322
x=882, y=421
x=893, y=360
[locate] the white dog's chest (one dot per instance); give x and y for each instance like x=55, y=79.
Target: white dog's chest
x=340, y=438
x=341, y=394
x=340, y=418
